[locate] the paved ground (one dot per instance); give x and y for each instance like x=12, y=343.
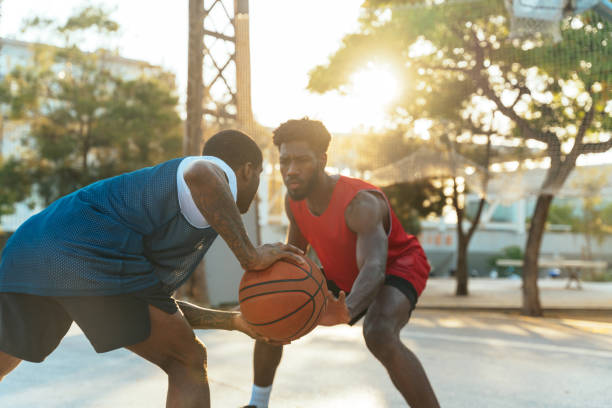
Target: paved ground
x=494, y=294
x=473, y=360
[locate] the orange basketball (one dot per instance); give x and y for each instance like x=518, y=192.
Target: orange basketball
x=284, y=301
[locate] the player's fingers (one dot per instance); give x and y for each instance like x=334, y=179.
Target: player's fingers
x=342, y=296
x=294, y=249
x=291, y=257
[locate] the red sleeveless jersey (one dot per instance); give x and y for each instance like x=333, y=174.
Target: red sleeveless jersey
x=335, y=244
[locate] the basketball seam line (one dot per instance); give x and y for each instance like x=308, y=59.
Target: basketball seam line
x=275, y=281
x=288, y=314
x=279, y=291
x=311, y=299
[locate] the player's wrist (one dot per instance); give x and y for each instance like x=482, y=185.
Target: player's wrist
x=236, y=321
x=353, y=311
x=348, y=316
x=250, y=259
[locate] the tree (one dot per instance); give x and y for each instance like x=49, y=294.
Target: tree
x=464, y=237
x=413, y=201
x=87, y=120
x=459, y=59
x=15, y=184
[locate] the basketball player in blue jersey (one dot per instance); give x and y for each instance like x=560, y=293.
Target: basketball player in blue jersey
x=110, y=255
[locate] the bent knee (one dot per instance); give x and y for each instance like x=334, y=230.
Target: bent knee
x=191, y=359
x=379, y=337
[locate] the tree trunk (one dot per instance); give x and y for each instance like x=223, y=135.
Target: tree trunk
x=462, y=268
x=464, y=238
x=531, y=295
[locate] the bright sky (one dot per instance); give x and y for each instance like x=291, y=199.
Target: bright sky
x=288, y=39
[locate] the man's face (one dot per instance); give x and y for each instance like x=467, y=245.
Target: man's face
x=300, y=167
x=247, y=189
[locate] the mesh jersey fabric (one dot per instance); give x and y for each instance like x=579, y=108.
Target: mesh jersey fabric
x=114, y=236
x=335, y=244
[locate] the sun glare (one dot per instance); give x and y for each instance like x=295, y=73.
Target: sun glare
x=368, y=96
x=375, y=84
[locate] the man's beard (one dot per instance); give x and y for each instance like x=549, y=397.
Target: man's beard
x=303, y=193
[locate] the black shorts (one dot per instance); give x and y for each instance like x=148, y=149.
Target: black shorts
x=402, y=284
x=32, y=326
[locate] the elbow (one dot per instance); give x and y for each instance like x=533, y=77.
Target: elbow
x=381, y=276
x=379, y=270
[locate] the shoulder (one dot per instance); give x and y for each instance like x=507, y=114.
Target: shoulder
x=366, y=210
x=367, y=200
x=196, y=169
x=206, y=172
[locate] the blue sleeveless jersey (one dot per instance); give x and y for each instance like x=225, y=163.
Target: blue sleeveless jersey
x=117, y=235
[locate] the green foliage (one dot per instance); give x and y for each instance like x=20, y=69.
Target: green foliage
x=452, y=56
x=90, y=17
x=87, y=19
x=510, y=252
x=606, y=215
x=91, y=115
x=562, y=215
x=591, y=218
x=605, y=276
x=15, y=182
x=412, y=201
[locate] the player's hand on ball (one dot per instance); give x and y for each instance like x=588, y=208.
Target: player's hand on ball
x=241, y=325
x=336, y=311
x=267, y=254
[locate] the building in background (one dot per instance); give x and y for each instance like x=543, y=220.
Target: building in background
x=13, y=134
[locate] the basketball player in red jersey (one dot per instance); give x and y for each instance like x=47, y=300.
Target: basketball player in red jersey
x=364, y=252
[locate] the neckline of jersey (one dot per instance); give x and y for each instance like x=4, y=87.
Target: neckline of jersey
x=331, y=200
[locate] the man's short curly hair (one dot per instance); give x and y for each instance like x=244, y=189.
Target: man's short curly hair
x=233, y=147
x=312, y=132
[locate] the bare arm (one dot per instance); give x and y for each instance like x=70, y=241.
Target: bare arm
x=202, y=318
x=366, y=216
x=210, y=191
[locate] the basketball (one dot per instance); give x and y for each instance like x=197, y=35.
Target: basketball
x=284, y=301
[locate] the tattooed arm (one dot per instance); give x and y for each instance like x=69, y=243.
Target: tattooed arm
x=201, y=318
x=211, y=193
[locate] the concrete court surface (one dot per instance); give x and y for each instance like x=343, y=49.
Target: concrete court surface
x=473, y=360
x=507, y=293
